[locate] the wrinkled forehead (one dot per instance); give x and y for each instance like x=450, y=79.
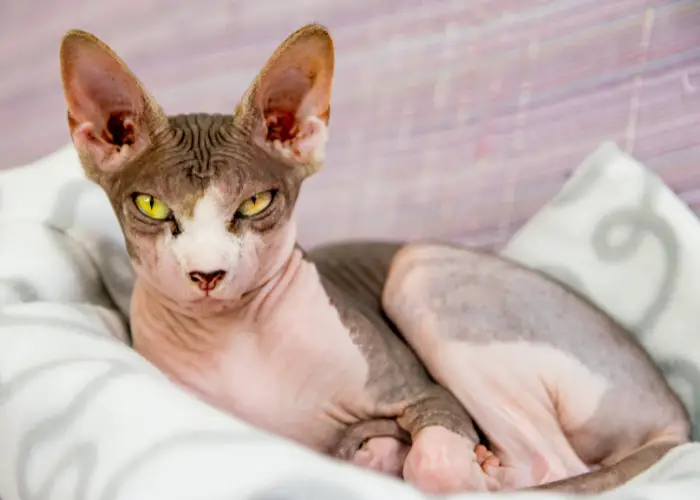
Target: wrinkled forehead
x=203, y=155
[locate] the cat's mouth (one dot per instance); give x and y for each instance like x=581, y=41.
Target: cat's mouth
x=208, y=304
x=211, y=296
x=207, y=296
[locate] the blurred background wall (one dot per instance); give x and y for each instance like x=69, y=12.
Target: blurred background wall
x=452, y=119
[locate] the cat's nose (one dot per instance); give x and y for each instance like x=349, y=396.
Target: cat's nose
x=207, y=281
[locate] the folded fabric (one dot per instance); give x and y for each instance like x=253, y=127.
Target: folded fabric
x=82, y=416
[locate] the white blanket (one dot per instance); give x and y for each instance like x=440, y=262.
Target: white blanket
x=82, y=416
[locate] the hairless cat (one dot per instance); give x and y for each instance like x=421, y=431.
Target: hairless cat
x=377, y=353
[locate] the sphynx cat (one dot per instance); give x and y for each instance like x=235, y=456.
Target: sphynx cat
x=376, y=353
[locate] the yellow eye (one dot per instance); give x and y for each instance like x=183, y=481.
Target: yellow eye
x=256, y=204
x=152, y=207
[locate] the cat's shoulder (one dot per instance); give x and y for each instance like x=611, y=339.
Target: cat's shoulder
x=353, y=277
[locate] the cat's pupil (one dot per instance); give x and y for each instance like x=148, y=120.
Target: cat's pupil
x=151, y=202
x=254, y=199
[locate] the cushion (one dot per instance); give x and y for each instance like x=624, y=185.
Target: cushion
x=83, y=416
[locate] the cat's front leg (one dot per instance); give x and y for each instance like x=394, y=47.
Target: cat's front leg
x=432, y=444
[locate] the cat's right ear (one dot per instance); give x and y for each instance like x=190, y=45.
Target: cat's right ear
x=110, y=115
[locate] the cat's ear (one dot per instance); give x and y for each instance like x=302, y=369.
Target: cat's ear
x=288, y=104
x=110, y=115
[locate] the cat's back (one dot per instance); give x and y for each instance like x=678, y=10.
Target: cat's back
x=498, y=300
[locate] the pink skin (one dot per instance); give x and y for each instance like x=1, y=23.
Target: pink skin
x=389, y=456
x=383, y=454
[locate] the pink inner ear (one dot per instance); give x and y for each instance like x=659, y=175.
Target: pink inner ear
x=106, y=104
x=106, y=146
x=100, y=91
x=281, y=103
x=281, y=125
x=120, y=129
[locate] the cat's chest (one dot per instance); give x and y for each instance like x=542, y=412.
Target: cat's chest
x=296, y=372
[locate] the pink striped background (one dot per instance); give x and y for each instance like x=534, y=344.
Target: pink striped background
x=451, y=119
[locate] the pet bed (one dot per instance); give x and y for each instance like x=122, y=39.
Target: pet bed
x=83, y=417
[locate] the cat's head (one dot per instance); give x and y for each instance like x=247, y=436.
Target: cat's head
x=205, y=201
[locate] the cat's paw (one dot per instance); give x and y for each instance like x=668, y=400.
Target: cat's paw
x=441, y=461
x=382, y=454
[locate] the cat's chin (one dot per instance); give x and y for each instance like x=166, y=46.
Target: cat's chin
x=209, y=305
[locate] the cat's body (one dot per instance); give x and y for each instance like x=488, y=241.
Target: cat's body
x=228, y=306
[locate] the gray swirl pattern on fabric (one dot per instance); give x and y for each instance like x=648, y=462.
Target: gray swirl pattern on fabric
x=83, y=457
x=111, y=260
x=642, y=222
x=160, y=448
x=63, y=213
x=22, y=289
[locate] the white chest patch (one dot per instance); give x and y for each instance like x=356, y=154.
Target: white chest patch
x=205, y=243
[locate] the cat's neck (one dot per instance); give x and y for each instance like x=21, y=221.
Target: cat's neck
x=162, y=326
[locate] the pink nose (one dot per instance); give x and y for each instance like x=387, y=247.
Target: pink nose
x=207, y=281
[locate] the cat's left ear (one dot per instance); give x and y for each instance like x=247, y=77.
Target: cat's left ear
x=110, y=114
x=288, y=105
